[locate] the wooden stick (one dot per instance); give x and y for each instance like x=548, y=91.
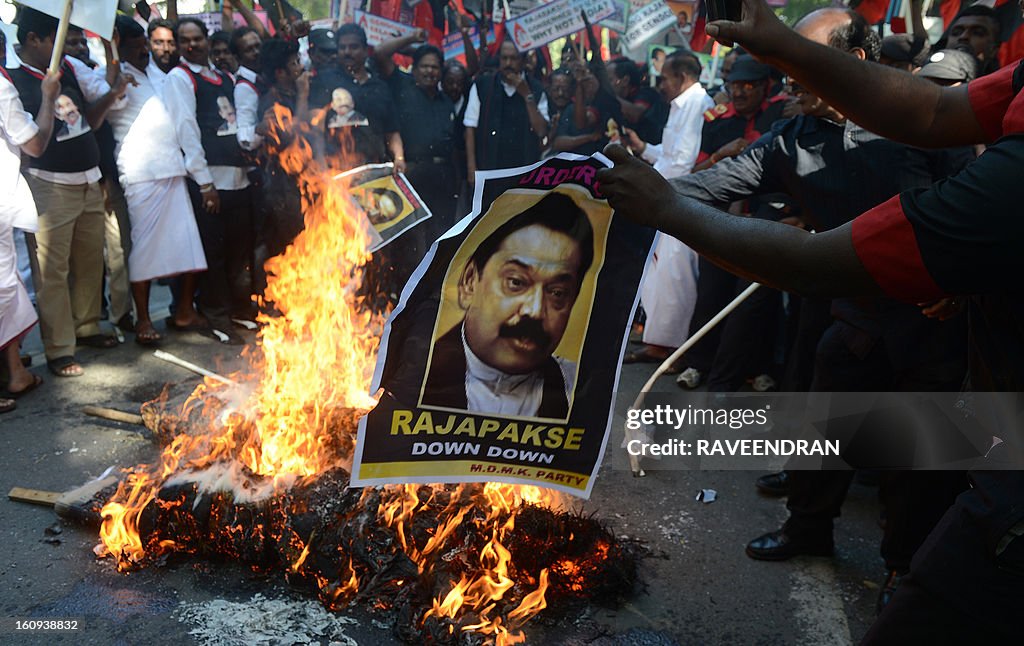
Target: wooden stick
x=34, y=496
x=62, y=35
x=634, y=460
x=113, y=415
x=170, y=358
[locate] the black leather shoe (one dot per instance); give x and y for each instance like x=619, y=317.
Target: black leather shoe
x=781, y=546
x=774, y=484
x=892, y=581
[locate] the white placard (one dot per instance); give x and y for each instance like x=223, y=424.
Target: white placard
x=96, y=16
x=553, y=20
x=379, y=30
x=647, y=22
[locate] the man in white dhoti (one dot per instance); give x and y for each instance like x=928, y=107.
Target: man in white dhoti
x=669, y=292
x=17, y=209
x=165, y=237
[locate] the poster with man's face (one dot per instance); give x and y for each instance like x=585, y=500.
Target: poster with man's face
x=500, y=361
x=72, y=121
x=386, y=199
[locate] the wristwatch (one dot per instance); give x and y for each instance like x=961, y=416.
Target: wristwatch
x=530, y=97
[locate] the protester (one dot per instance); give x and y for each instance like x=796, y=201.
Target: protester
x=669, y=291
x=426, y=118
x=65, y=185
x=20, y=133
x=976, y=31
x=116, y=238
x=958, y=237
x=284, y=116
x=218, y=186
x=221, y=56
x=245, y=45
x=742, y=346
x=163, y=49
x=165, y=237
x=372, y=138
x=643, y=109
x=505, y=120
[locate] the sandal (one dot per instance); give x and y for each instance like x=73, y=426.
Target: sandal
x=97, y=341
x=65, y=367
x=642, y=356
x=7, y=405
x=37, y=381
x=146, y=334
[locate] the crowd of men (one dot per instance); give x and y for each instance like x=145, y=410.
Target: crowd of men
x=163, y=166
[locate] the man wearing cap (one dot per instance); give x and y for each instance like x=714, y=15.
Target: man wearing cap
x=950, y=67
x=904, y=52
x=323, y=50
x=730, y=127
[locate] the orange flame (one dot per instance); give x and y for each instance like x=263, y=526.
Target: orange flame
x=313, y=364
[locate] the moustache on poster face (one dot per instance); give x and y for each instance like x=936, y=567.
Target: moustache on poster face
x=527, y=328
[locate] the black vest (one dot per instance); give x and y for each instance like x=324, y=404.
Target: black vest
x=217, y=132
x=504, y=138
x=64, y=154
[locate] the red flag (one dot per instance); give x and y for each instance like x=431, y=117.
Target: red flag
x=873, y=10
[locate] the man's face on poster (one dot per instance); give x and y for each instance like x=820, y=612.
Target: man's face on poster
x=341, y=102
x=225, y=109
x=66, y=110
x=518, y=304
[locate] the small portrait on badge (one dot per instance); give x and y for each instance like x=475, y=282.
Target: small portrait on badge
x=343, y=112
x=516, y=304
x=72, y=122
x=229, y=125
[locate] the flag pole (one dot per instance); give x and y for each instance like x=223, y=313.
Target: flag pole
x=634, y=460
x=62, y=35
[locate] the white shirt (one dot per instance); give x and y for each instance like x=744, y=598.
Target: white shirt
x=247, y=109
x=489, y=390
x=680, y=145
x=472, y=118
x=147, y=143
x=94, y=87
x=180, y=99
x=157, y=77
x=17, y=209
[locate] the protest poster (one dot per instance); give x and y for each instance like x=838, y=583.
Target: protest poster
x=387, y=200
x=214, y=19
x=380, y=29
x=556, y=19
x=647, y=22
x=685, y=12
x=454, y=47
x=499, y=363
x=96, y=16
x=656, y=55
x=617, y=21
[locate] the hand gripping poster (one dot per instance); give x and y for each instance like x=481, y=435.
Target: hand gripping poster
x=501, y=359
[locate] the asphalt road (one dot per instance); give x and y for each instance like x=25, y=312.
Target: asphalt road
x=699, y=587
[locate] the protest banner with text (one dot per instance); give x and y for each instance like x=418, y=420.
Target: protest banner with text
x=500, y=362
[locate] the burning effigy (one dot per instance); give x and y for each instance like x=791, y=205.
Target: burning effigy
x=258, y=470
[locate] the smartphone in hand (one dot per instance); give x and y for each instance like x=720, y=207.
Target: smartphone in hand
x=724, y=10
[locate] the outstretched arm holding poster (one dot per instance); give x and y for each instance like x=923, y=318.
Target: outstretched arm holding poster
x=501, y=360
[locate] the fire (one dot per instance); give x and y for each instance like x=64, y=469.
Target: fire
x=276, y=428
